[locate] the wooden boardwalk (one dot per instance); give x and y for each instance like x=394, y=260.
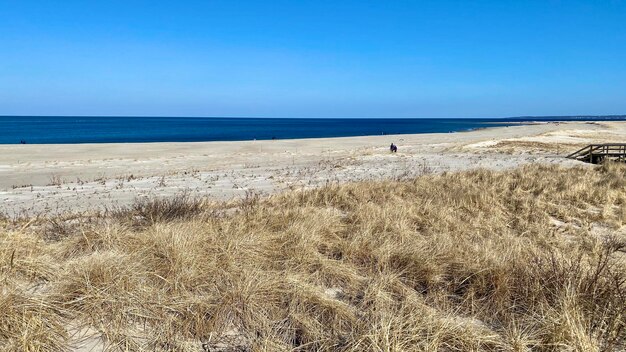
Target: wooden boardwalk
x=597, y=153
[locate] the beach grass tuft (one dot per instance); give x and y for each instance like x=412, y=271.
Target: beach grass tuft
x=532, y=258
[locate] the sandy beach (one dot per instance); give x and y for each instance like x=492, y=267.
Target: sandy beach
x=50, y=179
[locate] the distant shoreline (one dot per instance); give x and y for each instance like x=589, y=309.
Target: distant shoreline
x=110, y=130
x=313, y=139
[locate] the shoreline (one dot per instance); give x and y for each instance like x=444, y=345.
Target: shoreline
x=485, y=122
x=51, y=178
x=277, y=139
x=513, y=124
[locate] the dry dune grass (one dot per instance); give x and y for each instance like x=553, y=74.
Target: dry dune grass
x=517, y=146
x=469, y=261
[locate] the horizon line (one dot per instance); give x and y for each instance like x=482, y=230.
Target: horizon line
x=327, y=118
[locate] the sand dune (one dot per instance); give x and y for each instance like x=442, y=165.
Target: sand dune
x=45, y=179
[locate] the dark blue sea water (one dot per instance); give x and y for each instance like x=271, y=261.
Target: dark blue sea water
x=69, y=129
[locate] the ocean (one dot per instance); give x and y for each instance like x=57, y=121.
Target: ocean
x=73, y=129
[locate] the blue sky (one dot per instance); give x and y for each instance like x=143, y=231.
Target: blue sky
x=313, y=58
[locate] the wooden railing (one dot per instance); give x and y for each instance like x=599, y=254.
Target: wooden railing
x=596, y=153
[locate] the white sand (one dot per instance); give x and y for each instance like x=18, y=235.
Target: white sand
x=44, y=179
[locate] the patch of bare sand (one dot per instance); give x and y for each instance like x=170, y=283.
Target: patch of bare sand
x=559, y=141
x=49, y=179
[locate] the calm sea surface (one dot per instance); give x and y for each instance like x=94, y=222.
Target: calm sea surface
x=68, y=129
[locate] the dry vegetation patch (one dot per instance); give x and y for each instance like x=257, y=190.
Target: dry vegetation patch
x=516, y=146
x=453, y=262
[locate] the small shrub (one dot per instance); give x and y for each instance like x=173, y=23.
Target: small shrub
x=55, y=180
x=146, y=211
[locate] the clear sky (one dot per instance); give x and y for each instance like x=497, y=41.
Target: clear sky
x=317, y=58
